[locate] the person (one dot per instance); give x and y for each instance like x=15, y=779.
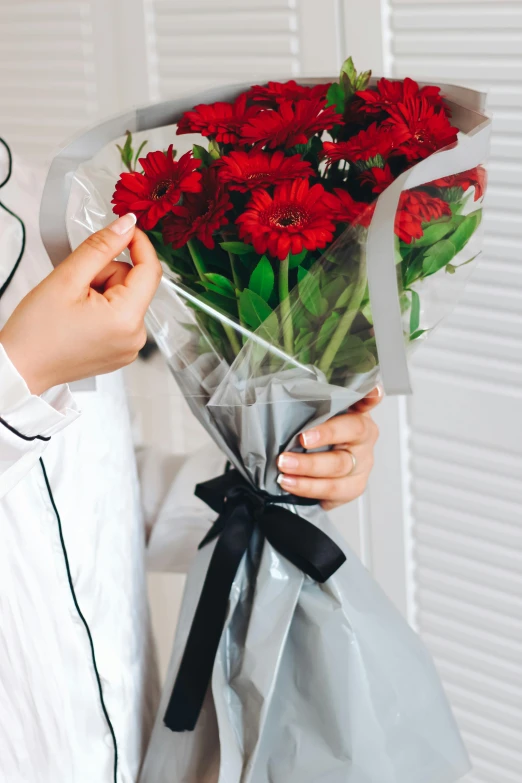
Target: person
x=77, y=675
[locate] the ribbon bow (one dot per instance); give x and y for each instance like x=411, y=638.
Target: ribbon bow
x=242, y=508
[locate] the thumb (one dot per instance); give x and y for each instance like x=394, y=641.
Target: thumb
x=98, y=251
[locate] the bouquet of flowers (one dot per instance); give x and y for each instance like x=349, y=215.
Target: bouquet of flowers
x=309, y=234
x=255, y=222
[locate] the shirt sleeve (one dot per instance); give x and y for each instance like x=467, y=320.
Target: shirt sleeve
x=27, y=422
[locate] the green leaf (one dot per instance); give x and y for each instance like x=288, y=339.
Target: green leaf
x=366, y=310
x=344, y=298
x=200, y=153
x=415, y=312
x=354, y=355
x=326, y=331
x=348, y=72
x=433, y=233
x=253, y=309
x=465, y=231
x=222, y=303
x=417, y=334
x=437, y=256
x=464, y=263
x=138, y=152
x=238, y=248
x=363, y=80
x=296, y=260
x=351, y=81
x=335, y=97
x=214, y=150
x=223, y=285
x=310, y=293
x=262, y=279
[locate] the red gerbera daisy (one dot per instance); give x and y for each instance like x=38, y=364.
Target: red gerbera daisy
x=387, y=94
x=467, y=179
x=153, y=193
x=378, y=179
x=427, y=128
x=245, y=171
x=200, y=214
x=416, y=207
x=375, y=140
x=277, y=92
x=295, y=217
x=221, y=121
x=347, y=210
x=290, y=124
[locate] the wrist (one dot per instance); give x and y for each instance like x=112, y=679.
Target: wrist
x=25, y=366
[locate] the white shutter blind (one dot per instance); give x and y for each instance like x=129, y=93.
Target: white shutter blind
x=48, y=88
x=200, y=43
x=466, y=451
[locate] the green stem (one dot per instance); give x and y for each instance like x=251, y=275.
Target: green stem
x=200, y=268
x=197, y=259
x=284, y=299
x=235, y=275
x=345, y=324
x=232, y=338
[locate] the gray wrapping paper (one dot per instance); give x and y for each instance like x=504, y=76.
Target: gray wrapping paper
x=311, y=682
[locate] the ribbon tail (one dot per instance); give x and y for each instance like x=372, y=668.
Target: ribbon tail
x=195, y=671
x=301, y=542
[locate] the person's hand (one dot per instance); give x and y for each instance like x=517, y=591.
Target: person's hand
x=340, y=475
x=86, y=317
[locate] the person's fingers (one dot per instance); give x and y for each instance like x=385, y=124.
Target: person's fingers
x=113, y=274
x=369, y=402
x=336, y=463
x=349, y=428
x=98, y=250
x=329, y=489
x=143, y=279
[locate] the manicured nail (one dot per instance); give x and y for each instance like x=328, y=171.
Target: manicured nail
x=287, y=462
x=286, y=481
x=311, y=437
x=375, y=393
x=123, y=224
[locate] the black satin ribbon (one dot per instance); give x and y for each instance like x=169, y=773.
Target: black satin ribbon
x=242, y=508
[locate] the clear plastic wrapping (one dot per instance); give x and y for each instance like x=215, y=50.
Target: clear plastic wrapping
x=266, y=335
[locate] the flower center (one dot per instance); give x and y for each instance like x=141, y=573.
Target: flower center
x=258, y=175
x=161, y=190
x=285, y=215
x=421, y=136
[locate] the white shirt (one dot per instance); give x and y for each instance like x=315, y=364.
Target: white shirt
x=77, y=678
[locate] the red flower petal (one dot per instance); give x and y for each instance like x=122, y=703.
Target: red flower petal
x=467, y=179
x=277, y=92
x=246, y=171
x=417, y=207
x=295, y=217
x=200, y=215
x=426, y=128
x=375, y=140
x=221, y=121
x=291, y=124
x=153, y=193
x=387, y=94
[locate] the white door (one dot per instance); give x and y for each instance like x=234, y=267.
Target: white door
x=465, y=417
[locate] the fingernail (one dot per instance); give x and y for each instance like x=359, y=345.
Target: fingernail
x=123, y=224
x=287, y=461
x=377, y=392
x=311, y=437
x=286, y=481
